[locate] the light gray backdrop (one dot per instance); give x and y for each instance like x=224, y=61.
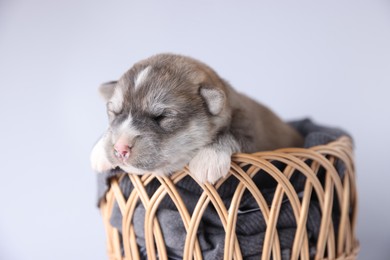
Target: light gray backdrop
x=328, y=60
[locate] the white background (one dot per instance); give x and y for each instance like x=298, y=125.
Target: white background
x=328, y=60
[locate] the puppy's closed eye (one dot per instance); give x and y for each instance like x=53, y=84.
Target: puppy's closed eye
x=159, y=118
x=167, y=119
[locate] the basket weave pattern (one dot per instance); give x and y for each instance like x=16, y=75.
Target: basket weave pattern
x=331, y=243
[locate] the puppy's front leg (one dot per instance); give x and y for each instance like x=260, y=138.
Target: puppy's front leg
x=213, y=161
x=99, y=158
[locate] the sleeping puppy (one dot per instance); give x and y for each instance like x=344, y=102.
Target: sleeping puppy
x=168, y=111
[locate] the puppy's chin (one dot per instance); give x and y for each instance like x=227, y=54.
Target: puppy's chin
x=160, y=171
x=133, y=170
x=138, y=171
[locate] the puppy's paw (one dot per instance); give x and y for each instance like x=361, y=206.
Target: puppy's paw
x=210, y=165
x=99, y=160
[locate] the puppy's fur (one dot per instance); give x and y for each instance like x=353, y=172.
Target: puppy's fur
x=172, y=110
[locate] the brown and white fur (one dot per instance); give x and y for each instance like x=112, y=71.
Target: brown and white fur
x=168, y=111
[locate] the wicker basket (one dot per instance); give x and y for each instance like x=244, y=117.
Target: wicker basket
x=335, y=191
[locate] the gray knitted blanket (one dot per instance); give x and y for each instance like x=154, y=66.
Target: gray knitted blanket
x=250, y=228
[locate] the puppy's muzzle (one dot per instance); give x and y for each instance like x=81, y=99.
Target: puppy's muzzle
x=122, y=151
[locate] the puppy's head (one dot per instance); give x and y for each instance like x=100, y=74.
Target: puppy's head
x=162, y=111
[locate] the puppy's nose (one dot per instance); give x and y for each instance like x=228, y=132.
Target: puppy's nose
x=122, y=151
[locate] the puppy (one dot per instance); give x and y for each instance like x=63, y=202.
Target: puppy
x=168, y=111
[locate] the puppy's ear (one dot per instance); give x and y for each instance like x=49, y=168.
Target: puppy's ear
x=106, y=90
x=215, y=99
